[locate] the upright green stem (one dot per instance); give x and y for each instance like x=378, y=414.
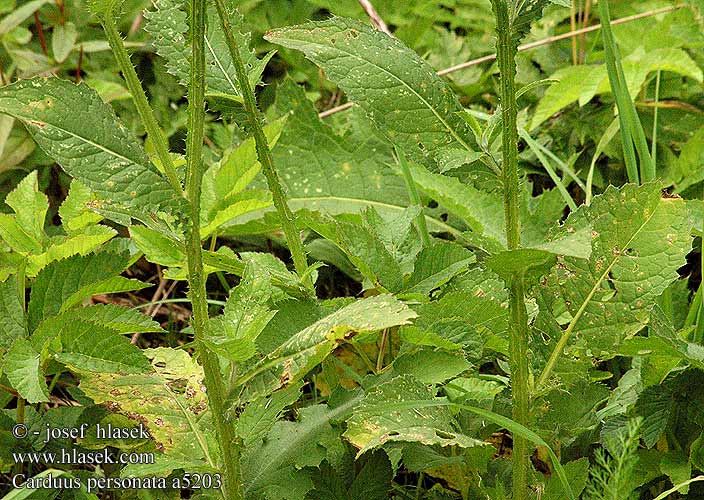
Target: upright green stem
x=506, y=56
x=196, y=277
x=140, y=100
x=288, y=221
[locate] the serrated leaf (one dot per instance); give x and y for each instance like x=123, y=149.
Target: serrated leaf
x=115, y=284
x=60, y=280
x=388, y=79
x=639, y=240
x=22, y=366
x=61, y=247
x=30, y=206
x=297, y=356
x=119, y=319
x=233, y=335
x=169, y=29
x=100, y=151
x=74, y=211
x=170, y=402
x=436, y=265
x=257, y=419
x=381, y=418
x=431, y=366
x=13, y=325
x=87, y=346
x=274, y=469
x=482, y=212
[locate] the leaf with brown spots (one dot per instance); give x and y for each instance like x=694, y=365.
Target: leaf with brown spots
x=170, y=402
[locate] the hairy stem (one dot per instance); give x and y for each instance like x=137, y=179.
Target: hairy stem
x=196, y=277
x=288, y=221
x=506, y=56
x=140, y=100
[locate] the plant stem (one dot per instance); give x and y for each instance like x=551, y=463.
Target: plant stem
x=154, y=132
x=415, y=198
x=288, y=221
x=506, y=56
x=229, y=448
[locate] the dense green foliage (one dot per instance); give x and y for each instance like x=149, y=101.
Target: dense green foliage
x=312, y=260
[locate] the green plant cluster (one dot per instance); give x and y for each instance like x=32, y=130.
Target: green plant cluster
x=313, y=259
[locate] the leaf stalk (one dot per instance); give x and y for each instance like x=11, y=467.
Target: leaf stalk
x=288, y=220
x=154, y=132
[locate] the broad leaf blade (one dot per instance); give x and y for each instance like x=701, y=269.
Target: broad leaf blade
x=294, y=358
x=387, y=79
x=23, y=370
x=99, y=151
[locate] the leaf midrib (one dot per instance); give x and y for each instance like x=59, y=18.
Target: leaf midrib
x=452, y=131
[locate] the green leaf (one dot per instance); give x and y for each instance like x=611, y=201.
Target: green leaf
x=170, y=402
x=120, y=320
x=169, y=29
x=293, y=359
x=61, y=247
x=23, y=369
x=639, y=240
x=464, y=389
x=275, y=469
x=13, y=325
x=115, y=284
x=158, y=248
x=233, y=335
x=528, y=264
x=74, y=211
x=387, y=79
x=527, y=12
x=18, y=16
x=482, y=212
x=87, y=346
x=379, y=418
x=30, y=206
x=430, y=366
x=436, y=265
x=364, y=248
x=257, y=419
x=100, y=151
x=63, y=279
x=63, y=39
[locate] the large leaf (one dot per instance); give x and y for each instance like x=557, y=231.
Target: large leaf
x=639, y=240
x=13, y=325
x=297, y=356
x=377, y=420
x=70, y=278
x=23, y=370
x=94, y=148
x=328, y=172
x=386, y=79
x=169, y=29
x=87, y=346
x=170, y=402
